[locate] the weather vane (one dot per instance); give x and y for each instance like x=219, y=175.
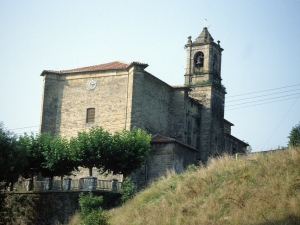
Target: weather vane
x=205, y=23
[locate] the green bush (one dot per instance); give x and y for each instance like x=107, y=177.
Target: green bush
x=295, y=136
x=128, y=189
x=95, y=217
x=91, y=212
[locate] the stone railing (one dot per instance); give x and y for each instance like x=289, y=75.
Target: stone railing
x=82, y=184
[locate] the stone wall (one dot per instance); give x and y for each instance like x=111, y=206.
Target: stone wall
x=47, y=208
x=234, y=145
x=35, y=208
x=67, y=98
x=183, y=157
x=178, y=110
x=150, y=104
x=164, y=156
x=204, y=95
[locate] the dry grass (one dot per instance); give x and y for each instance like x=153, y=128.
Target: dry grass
x=75, y=220
x=262, y=190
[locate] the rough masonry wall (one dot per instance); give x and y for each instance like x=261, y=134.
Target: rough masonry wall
x=185, y=118
x=178, y=114
x=160, y=160
x=217, y=138
x=150, y=104
x=234, y=145
x=45, y=208
x=51, y=94
x=73, y=98
x=183, y=157
x=204, y=95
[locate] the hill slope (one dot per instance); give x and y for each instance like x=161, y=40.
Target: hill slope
x=262, y=189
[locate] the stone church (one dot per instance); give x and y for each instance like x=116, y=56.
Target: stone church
x=187, y=121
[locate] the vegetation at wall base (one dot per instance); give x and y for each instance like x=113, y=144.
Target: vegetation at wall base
x=128, y=189
x=91, y=212
x=262, y=188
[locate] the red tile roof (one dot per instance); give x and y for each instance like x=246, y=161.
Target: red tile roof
x=159, y=138
x=105, y=66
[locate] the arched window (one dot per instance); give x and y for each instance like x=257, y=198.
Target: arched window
x=90, y=115
x=199, y=59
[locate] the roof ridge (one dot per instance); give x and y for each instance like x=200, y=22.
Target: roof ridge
x=104, y=66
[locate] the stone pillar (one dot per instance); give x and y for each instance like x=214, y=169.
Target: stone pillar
x=114, y=185
x=89, y=183
x=47, y=184
x=28, y=184
x=67, y=183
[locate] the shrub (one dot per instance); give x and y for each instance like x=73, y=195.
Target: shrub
x=95, y=217
x=294, y=136
x=91, y=212
x=128, y=189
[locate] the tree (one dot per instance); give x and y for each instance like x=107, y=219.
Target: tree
x=294, y=138
x=34, y=145
x=59, y=160
x=91, y=147
x=128, y=152
x=11, y=162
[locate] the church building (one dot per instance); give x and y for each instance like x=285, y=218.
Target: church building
x=186, y=122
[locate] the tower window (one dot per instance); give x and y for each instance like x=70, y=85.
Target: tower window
x=90, y=115
x=199, y=59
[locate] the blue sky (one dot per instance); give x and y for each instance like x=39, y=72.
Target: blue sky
x=260, y=41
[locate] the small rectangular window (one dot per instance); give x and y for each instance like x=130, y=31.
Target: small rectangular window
x=90, y=115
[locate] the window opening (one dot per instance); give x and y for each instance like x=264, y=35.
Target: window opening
x=199, y=59
x=90, y=115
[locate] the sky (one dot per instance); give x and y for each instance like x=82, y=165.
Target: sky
x=260, y=61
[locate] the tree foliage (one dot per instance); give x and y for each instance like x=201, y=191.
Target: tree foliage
x=47, y=155
x=129, y=151
x=122, y=152
x=34, y=145
x=294, y=138
x=91, y=147
x=58, y=158
x=10, y=158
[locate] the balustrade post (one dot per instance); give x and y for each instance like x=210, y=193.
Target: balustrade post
x=114, y=185
x=46, y=184
x=89, y=183
x=28, y=184
x=67, y=183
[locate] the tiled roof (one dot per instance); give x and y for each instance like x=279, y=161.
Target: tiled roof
x=159, y=138
x=105, y=66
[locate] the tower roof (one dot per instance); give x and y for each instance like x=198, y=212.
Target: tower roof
x=204, y=37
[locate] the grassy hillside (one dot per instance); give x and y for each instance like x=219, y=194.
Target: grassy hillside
x=262, y=189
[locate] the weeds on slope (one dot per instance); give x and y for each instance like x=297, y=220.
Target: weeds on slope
x=261, y=189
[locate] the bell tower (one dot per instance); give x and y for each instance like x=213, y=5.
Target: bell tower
x=203, y=76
